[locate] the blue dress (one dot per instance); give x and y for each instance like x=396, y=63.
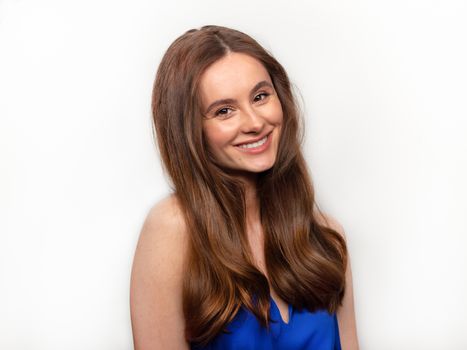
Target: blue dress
x=305, y=331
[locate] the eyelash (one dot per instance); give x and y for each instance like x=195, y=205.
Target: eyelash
x=265, y=94
x=218, y=113
x=262, y=93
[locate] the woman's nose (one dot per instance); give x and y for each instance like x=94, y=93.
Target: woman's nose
x=252, y=121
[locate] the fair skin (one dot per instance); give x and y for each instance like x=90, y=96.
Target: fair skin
x=241, y=107
x=252, y=113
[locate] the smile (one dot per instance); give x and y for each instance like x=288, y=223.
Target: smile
x=257, y=146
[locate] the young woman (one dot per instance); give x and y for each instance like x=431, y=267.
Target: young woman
x=239, y=256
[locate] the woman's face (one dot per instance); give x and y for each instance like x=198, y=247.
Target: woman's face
x=243, y=114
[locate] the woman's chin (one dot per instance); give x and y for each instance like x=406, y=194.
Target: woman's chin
x=258, y=168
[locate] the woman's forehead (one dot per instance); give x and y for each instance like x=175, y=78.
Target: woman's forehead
x=233, y=74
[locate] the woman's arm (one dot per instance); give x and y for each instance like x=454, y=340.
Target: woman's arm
x=346, y=312
x=346, y=315
x=156, y=280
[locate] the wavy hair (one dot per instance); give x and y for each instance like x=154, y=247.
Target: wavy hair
x=305, y=260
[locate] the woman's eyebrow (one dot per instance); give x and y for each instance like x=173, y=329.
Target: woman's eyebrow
x=231, y=100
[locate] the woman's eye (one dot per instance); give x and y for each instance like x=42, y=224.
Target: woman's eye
x=261, y=96
x=223, y=112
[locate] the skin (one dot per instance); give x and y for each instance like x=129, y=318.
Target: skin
x=255, y=113
x=156, y=280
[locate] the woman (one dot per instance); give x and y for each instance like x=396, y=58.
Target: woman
x=239, y=256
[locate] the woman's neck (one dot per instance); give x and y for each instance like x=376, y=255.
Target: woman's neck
x=253, y=219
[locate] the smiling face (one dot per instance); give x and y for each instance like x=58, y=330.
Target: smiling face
x=243, y=113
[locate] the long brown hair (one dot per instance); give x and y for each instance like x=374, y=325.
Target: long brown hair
x=305, y=260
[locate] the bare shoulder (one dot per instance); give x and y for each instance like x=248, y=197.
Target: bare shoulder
x=165, y=218
x=329, y=221
x=163, y=236
x=157, y=279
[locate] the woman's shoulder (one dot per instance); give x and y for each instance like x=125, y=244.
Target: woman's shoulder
x=329, y=221
x=162, y=243
x=163, y=235
x=165, y=217
x=156, y=279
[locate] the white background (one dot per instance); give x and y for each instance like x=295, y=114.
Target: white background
x=384, y=86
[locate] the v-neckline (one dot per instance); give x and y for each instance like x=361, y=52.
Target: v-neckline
x=289, y=311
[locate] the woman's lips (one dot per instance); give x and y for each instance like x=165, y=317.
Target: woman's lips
x=257, y=146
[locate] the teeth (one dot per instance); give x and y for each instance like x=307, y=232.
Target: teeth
x=254, y=144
